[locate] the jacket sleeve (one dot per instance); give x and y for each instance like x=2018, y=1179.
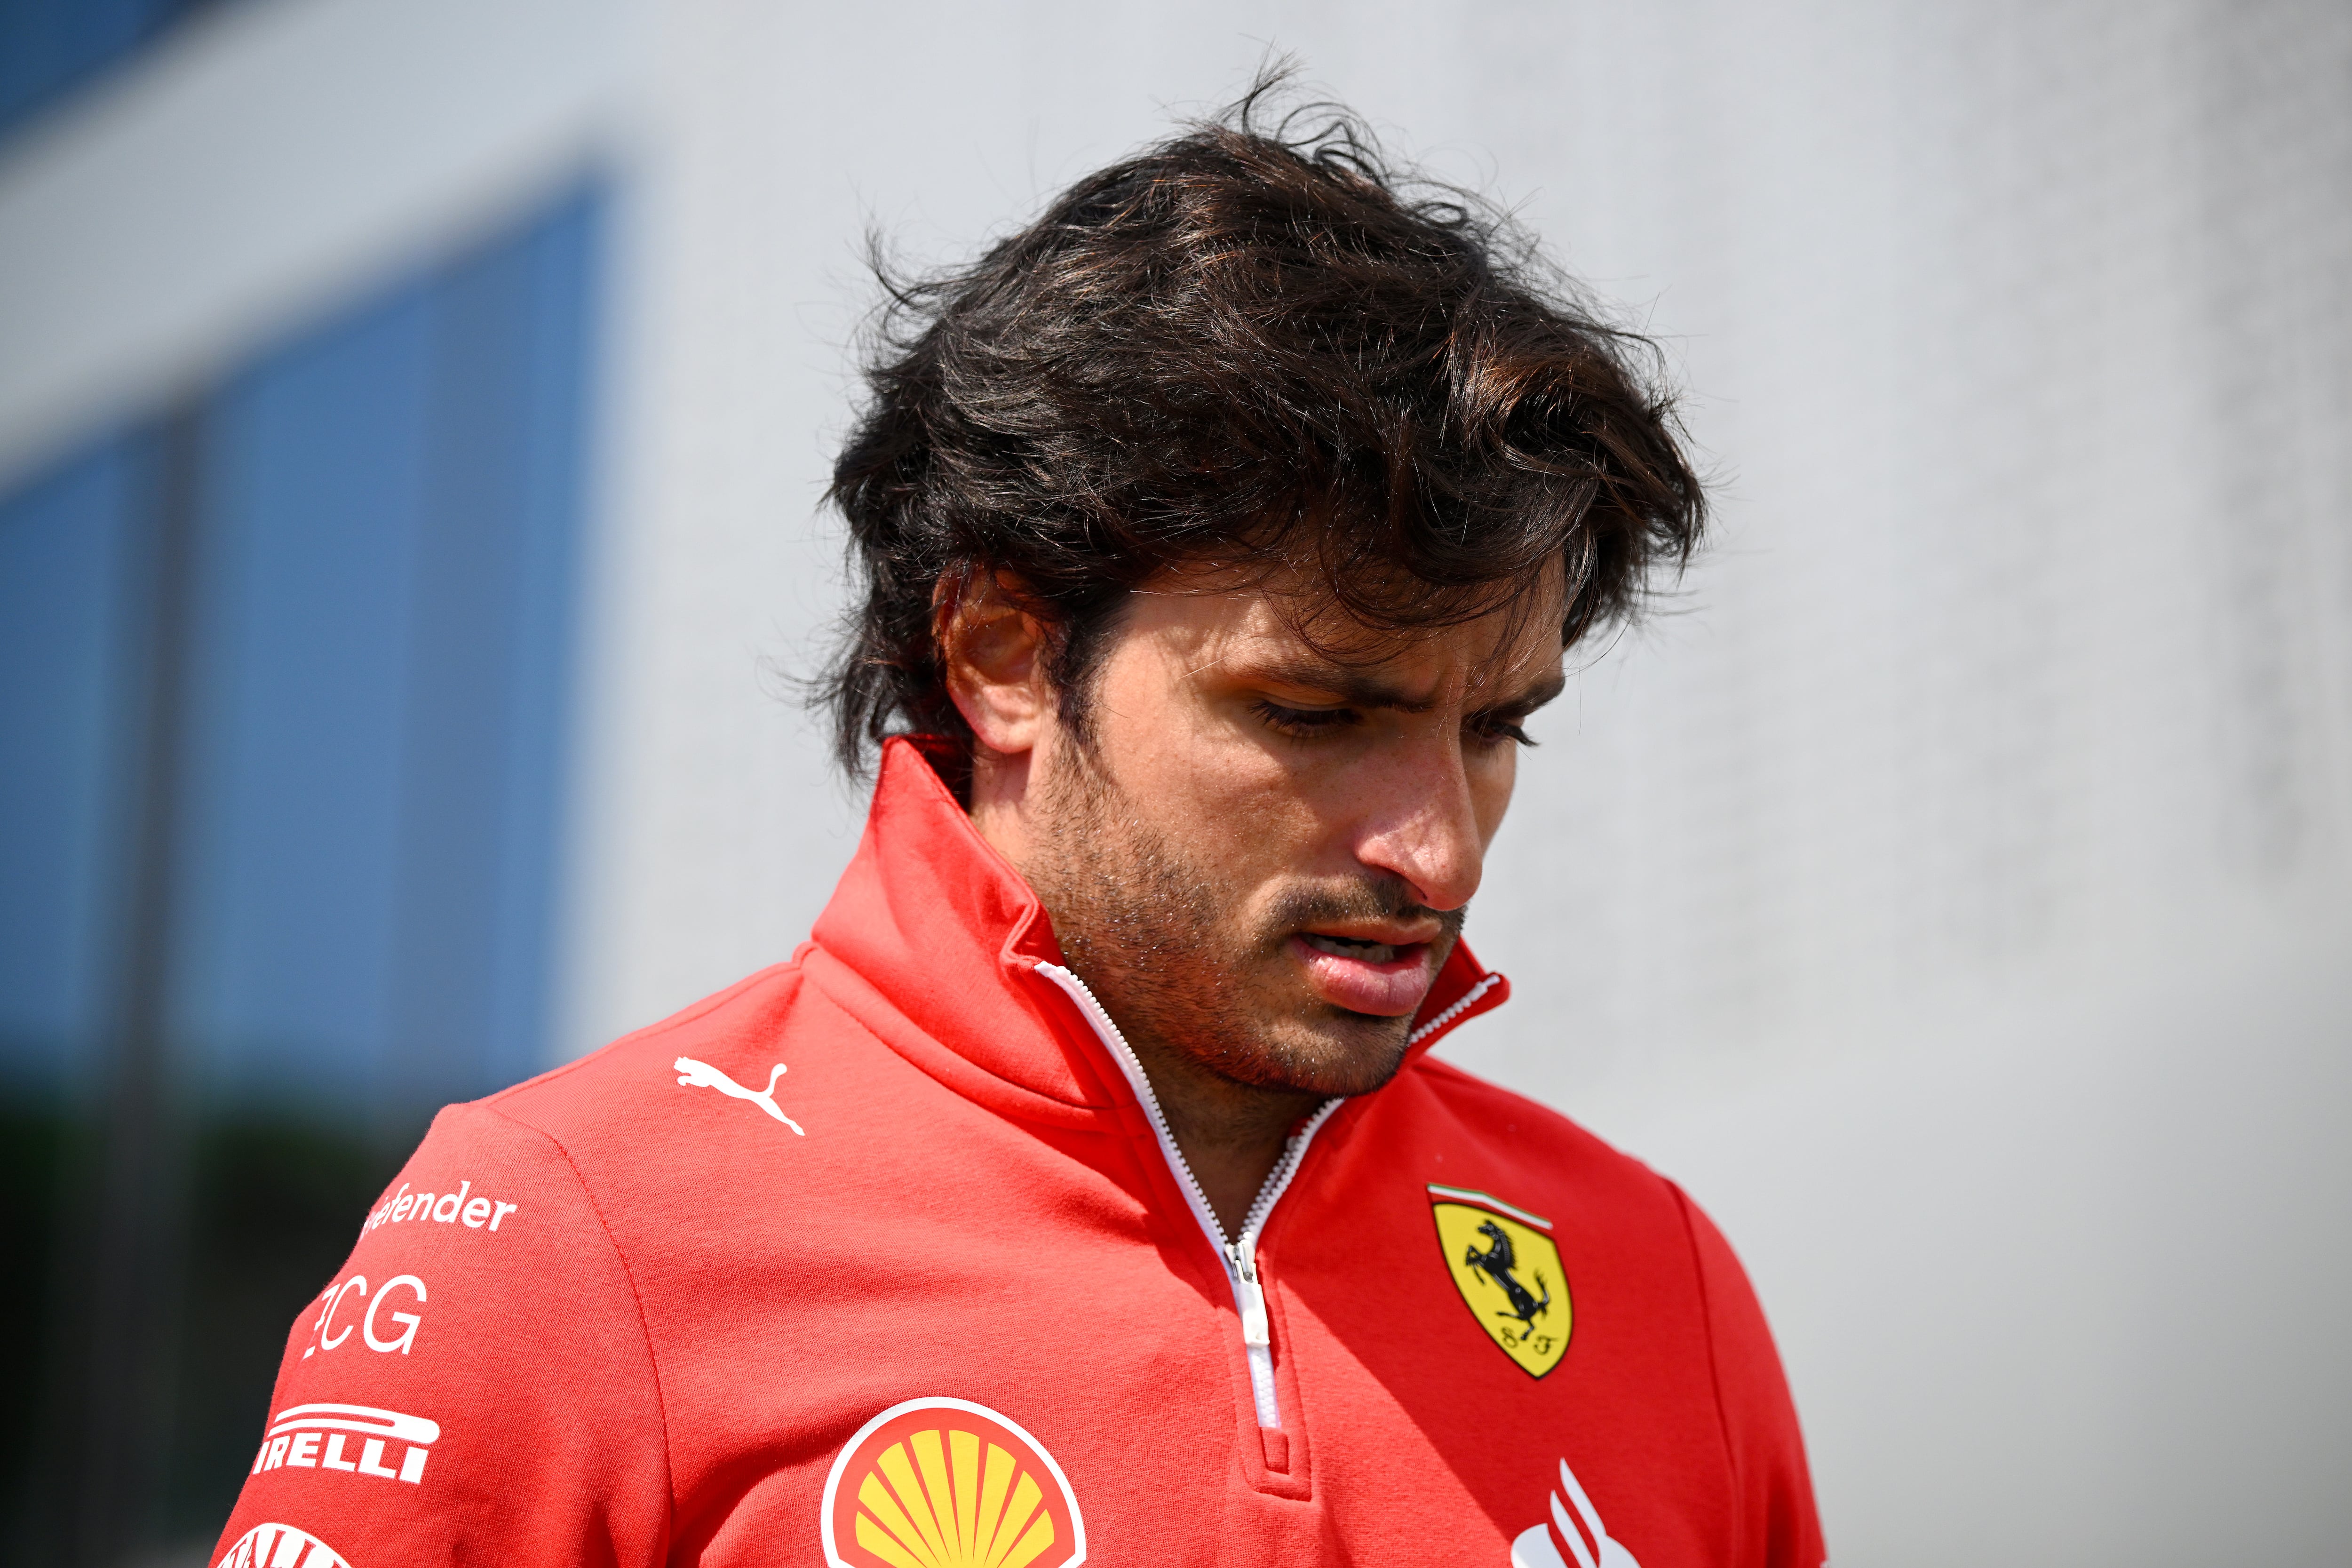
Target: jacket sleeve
x=1778, y=1526
x=474, y=1385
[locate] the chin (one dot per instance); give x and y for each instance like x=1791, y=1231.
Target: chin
x=1339, y=1054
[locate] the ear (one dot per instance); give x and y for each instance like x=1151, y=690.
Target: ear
x=993, y=651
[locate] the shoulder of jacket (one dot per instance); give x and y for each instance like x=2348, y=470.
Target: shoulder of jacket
x=1536, y=1128
x=588, y=1095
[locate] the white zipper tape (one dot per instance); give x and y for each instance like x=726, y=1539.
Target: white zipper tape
x=1462, y=1003
x=1240, y=1256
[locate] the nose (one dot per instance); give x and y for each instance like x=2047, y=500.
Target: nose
x=1422, y=825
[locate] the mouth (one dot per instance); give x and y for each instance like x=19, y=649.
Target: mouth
x=1366, y=973
x=1359, y=948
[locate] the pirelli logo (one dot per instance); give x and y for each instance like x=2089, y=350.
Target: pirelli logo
x=355, y=1438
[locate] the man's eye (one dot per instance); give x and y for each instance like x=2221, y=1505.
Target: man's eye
x=1303, y=721
x=1493, y=731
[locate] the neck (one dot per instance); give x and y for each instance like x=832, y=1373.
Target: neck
x=1231, y=1134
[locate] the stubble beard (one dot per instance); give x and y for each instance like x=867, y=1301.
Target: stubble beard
x=1167, y=949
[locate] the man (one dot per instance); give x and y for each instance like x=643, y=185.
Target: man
x=1083, y=1189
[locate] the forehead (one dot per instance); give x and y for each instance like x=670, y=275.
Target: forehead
x=1213, y=624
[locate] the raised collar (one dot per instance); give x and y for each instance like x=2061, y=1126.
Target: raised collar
x=932, y=940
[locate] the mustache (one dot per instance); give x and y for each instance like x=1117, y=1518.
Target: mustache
x=1371, y=898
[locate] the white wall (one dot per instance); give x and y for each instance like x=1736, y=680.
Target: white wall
x=1954, y=894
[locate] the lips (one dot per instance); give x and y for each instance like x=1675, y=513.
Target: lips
x=1387, y=980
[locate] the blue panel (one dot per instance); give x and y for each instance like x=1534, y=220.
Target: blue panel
x=493, y=648
x=392, y=526
x=67, y=650
x=315, y=482
x=563, y=258
x=368, y=802
x=48, y=46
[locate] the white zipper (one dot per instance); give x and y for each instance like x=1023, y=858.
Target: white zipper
x=1240, y=1253
x=1462, y=1005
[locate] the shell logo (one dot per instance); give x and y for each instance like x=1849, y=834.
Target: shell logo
x=945, y=1483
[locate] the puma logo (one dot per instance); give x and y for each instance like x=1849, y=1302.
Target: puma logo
x=692, y=1074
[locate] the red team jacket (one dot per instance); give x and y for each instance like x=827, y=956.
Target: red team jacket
x=882, y=1257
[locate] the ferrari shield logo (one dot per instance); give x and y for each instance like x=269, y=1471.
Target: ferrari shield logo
x=1504, y=1263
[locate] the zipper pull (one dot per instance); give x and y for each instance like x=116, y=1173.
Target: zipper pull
x=1244, y=1264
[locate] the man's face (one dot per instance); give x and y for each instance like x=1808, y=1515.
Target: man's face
x=1263, y=852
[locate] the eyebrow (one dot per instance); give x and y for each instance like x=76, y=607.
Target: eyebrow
x=1533, y=697
x=1359, y=690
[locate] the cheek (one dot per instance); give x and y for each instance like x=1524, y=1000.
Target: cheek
x=1241, y=797
x=1180, y=774
x=1236, y=809
x=1177, y=755
x=1491, y=783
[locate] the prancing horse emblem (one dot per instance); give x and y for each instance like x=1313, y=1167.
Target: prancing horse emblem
x=1504, y=1265
x=692, y=1074
x=1496, y=1263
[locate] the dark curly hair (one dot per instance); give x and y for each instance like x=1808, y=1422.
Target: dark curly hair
x=1263, y=346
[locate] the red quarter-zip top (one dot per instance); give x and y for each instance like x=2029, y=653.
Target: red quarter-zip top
x=884, y=1257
